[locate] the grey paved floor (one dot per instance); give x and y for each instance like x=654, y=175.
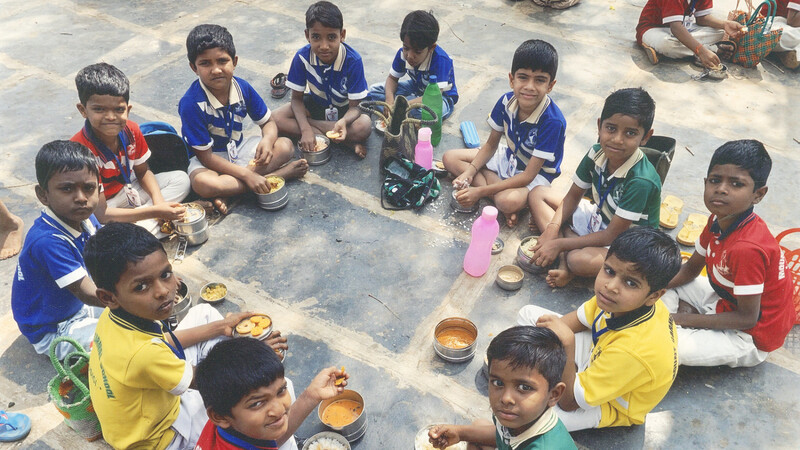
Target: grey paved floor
x=317, y=265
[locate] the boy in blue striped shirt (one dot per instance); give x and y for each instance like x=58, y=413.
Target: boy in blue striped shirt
x=212, y=110
x=334, y=74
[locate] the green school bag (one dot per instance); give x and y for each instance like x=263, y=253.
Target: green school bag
x=407, y=185
x=69, y=392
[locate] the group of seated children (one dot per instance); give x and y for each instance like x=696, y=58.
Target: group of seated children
x=685, y=29
x=111, y=288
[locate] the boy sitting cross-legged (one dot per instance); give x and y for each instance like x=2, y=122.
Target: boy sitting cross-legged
x=132, y=193
x=334, y=74
x=744, y=309
x=140, y=372
x=420, y=58
x=525, y=366
x=250, y=404
x=626, y=190
x=622, y=341
x=212, y=113
x=534, y=131
x=52, y=295
x=685, y=28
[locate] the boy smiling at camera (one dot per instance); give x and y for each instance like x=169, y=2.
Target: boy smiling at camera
x=744, y=309
x=625, y=188
x=250, y=404
x=525, y=366
x=621, y=344
x=534, y=129
x=334, y=74
x=140, y=371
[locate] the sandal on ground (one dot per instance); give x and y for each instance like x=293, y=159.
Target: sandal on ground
x=671, y=208
x=278, y=84
x=725, y=50
x=651, y=54
x=789, y=59
x=14, y=426
x=692, y=228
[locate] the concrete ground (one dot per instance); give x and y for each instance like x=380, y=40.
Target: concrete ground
x=353, y=284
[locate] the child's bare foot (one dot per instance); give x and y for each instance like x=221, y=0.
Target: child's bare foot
x=11, y=237
x=221, y=205
x=532, y=226
x=557, y=278
x=361, y=150
x=293, y=169
x=511, y=220
x=207, y=206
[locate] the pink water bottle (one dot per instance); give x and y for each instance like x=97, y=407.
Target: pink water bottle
x=484, y=232
x=423, y=152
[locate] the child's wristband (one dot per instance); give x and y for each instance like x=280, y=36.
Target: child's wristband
x=473, y=166
x=697, y=49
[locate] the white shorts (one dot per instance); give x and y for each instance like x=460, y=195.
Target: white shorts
x=79, y=327
x=501, y=165
x=247, y=151
x=582, y=217
x=702, y=347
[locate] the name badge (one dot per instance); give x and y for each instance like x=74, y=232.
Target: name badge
x=233, y=151
x=331, y=113
x=134, y=200
x=595, y=221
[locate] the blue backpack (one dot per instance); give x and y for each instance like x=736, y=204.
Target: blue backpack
x=168, y=150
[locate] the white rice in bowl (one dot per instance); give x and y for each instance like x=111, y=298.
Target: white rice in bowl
x=326, y=444
x=421, y=442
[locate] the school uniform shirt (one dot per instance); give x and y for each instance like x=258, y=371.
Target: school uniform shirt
x=746, y=260
x=51, y=259
x=135, y=381
x=208, y=124
x=216, y=438
x=329, y=84
x=632, y=192
x=633, y=363
x=136, y=152
x=437, y=63
x=541, y=135
x=783, y=7
x=547, y=433
x=661, y=13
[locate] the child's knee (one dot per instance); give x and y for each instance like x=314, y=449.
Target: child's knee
x=510, y=201
x=361, y=128
x=283, y=148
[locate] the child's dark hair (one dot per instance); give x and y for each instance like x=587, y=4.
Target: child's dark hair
x=536, y=54
x=102, y=79
x=632, y=102
x=234, y=368
x=749, y=154
x=530, y=347
x=206, y=36
x=108, y=253
x=63, y=156
x=326, y=13
x=654, y=254
x=421, y=28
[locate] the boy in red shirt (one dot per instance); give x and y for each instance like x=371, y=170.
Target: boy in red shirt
x=681, y=29
x=744, y=309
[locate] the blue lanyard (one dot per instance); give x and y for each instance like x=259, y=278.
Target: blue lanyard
x=241, y=443
x=595, y=333
x=605, y=194
x=691, y=8
x=108, y=154
x=178, y=349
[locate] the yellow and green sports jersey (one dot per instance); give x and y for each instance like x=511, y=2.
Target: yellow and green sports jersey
x=633, y=363
x=135, y=381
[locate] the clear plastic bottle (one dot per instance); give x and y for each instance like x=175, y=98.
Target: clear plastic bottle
x=423, y=152
x=432, y=98
x=484, y=232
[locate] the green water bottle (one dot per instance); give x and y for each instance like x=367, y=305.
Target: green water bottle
x=432, y=98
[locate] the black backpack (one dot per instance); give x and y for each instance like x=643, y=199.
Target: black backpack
x=167, y=148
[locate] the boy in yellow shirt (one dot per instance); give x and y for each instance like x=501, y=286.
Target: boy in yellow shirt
x=623, y=339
